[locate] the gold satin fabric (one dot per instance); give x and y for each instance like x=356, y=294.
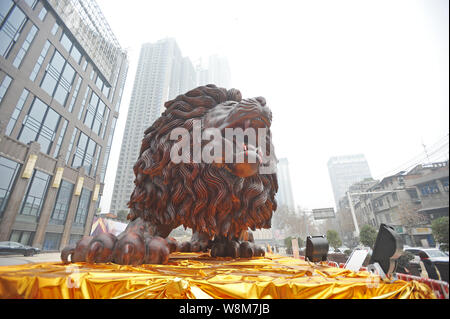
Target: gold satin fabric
x=198, y=276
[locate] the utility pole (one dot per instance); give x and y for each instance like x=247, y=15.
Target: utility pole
x=352, y=208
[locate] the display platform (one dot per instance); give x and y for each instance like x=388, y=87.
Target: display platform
x=198, y=276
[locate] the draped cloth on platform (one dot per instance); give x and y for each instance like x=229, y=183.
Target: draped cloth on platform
x=195, y=276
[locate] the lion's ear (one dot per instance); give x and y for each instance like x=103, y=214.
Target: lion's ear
x=234, y=95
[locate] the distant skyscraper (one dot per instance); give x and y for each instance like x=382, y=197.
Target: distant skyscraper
x=162, y=74
x=284, y=195
x=345, y=171
x=218, y=72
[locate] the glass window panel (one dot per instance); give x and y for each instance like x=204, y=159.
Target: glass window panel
x=61, y=94
x=8, y=172
x=45, y=142
x=76, y=54
x=52, y=120
x=42, y=14
x=68, y=74
x=82, y=141
x=51, y=241
x=62, y=203
x=55, y=28
x=5, y=6
x=66, y=42
x=88, y=119
x=26, y=44
x=48, y=83
x=83, y=207
x=37, y=110
x=39, y=61
x=4, y=86
x=35, y=194
x=11, y=29
x=99, y=83
x=58, y=61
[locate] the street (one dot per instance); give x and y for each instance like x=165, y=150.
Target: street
x=8, y=260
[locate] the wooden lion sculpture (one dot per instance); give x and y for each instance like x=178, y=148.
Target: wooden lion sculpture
x=219, y=199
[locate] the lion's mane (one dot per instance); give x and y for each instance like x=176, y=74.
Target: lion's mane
x=203, y=197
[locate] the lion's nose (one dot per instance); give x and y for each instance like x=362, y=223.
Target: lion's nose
x=261, y=100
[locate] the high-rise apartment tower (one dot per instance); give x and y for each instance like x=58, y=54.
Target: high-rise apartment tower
x=345, y=171
x=162, y=74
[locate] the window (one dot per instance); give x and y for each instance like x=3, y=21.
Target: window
x=4, y=86
x=83, y=103
x=42, y=14
x=83, y=207
x=34, y=198
x=8, y=172
x=62, y=203
x=26, y=44
x=72, y=139
x=58, y=78
x=40, y=125
x=108, y=149
x=51, y=241
x=84, y=153
x=95, y=113
x=5, y=8
x=413, y=193
x=55, y=28
x=70, y=47
x=429, y=188
x=12, y=24
x=60, y=139
x=16, y=112
x=22, y=236
x=75, y=94
x=74, y=238
x=445, y=184
x=394, y=197
x=39, y=61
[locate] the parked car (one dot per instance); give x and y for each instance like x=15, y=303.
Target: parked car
x=13, y=248
x=342, y=249
x=438, y=257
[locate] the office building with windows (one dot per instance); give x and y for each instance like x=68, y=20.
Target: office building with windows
x=62, y=73
x=345, y=171
x=162, y=74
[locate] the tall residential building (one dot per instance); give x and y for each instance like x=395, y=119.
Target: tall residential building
x=62, y=73
x=162, y=74
x=284, y=195
x=218, y=72
x=345, y=171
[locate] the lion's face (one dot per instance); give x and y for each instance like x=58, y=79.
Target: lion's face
x=249, y=115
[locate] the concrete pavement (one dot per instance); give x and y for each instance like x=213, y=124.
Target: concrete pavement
x=8, y=260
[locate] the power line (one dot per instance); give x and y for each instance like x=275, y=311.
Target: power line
x=418, y=159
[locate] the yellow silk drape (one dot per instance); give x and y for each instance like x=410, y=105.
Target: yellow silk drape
x=195, y=276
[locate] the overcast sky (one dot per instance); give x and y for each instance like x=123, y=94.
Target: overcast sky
x=341, y=77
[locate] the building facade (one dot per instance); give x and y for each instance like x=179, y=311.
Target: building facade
x=409, y=201
x=162, y=74
x=345, y=171
x=62, y=73
x=284, y=195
